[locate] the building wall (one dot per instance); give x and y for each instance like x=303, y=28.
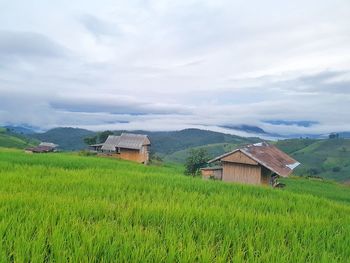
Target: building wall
x=265, y=176
x=242, y=173
x=140, y=156
x=239, y=157
x=215, y=173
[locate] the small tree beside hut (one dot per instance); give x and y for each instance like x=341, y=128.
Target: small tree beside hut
x=197, y=159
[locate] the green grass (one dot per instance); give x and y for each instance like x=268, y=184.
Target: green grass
x=326, y=158
x=67, y=208
x=14, y=141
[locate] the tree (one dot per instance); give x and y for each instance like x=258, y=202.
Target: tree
x=102, y=137
x=197, y=158
x=90, y=140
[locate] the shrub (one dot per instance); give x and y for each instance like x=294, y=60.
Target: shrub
x=197, y=159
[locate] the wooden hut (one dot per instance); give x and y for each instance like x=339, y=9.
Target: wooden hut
x=43, y=147
x=258, y=163
x=127, y=146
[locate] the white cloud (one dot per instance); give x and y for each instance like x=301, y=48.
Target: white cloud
x=175, y=64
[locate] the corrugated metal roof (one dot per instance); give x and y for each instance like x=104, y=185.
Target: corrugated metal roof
x=267, y=155
x=126, y=140
x=132, y=141
x=111, y=143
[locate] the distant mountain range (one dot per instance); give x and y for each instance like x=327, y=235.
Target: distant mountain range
x=21, y=129
x=328, y=158
x=69, y=139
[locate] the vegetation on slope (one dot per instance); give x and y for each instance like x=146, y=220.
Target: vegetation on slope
x=163, y=143
x=62, y=207
x=329, y=158
x=69, y=139
x=326, y=158
x=12, y=140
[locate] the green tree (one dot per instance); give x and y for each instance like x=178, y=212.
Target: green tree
x=90, y=140
x=197, y=159
x=102, y=137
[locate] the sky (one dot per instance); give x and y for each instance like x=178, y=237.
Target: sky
x=169, y=65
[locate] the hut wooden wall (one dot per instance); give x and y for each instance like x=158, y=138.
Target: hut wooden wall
x=238, y=157
x=140, y=156
x=265, y=175
x=216, y=173
x=243, y=173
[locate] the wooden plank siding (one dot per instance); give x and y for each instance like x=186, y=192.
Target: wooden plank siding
x=140, y=156
x=242, y=173
x=239, y=157
x=212, y=173
x=265, y=175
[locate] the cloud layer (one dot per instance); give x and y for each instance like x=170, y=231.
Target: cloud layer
x=162, y=65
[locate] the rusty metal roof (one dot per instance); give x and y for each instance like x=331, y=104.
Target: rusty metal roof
x=40, y=149
x=268, y=156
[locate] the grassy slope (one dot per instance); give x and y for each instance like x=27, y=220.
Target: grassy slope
x=212, y=149
x=327, y=158
x=61, y=207
x=67, y=138
x=11, y=140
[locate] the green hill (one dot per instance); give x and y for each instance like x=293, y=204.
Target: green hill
x=13, y=140
x=65, y=208
x=212, y=150
x=326, y=158
x=67, y=138
x=163, y=143
x=166, y=143
x=329, y=158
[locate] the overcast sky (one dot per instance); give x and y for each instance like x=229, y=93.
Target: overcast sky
x=165, y=65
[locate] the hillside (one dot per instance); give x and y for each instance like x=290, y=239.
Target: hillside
x=68, y=139
x=170, y=142
x=13, y=140
x=329, y=158
x=163, y=143
x=63, y=207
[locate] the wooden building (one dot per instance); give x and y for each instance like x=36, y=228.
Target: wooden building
x=43, y=147
x=127, y=146
x=258, y=163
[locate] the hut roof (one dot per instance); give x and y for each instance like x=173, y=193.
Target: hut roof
x=48, y=144
x=40, y=149
x=127, y=141
x=268, y=156
x=133, y=141
x=111, y=143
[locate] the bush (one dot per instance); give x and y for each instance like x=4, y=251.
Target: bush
x=197, y=159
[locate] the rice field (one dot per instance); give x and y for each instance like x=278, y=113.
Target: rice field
x=69, y=208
